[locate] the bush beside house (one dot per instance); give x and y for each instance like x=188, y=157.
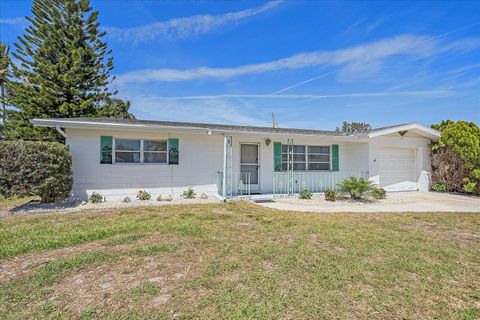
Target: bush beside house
x=456, y=157
x=35, y=168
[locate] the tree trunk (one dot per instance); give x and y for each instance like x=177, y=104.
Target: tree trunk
x=4, y=105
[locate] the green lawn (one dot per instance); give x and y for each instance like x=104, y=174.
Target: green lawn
x=8, y=203
x=239, y=260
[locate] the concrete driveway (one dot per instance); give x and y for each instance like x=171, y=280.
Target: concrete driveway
x=395, y=202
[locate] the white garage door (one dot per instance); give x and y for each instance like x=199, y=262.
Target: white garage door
x=398, y=169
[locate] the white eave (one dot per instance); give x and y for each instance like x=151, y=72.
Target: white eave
x=416, y=128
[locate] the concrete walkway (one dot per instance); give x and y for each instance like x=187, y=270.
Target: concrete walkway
x=395, y=202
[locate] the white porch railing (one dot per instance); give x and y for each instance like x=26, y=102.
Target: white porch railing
x=239, y=186
x=314, y=181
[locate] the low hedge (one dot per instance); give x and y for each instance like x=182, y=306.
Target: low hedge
x=35, y=168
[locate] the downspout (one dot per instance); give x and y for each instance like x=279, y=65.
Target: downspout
x=63, y=133
x=224, y=176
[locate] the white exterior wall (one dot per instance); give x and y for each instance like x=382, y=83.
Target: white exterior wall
x=423, y=160
x=200, y=158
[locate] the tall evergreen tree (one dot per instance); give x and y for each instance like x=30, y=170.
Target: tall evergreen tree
x=115, y=108
x=64, y=67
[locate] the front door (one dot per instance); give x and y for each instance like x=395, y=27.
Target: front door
x=249, y=165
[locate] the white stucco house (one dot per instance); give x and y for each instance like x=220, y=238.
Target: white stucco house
x=118, y=157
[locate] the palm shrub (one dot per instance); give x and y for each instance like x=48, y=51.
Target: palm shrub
x=355, y=187
x=305, y=194
x=330, y=195
x=35, y=168
x=96, y=197
x=189, y=193
x=378, y=193
x=143, y=195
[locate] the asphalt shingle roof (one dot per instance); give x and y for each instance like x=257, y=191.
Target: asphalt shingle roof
x=212, y=126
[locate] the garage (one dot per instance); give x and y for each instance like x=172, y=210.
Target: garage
x=398, y=169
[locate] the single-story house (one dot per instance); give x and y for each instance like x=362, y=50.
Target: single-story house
x=118, y=157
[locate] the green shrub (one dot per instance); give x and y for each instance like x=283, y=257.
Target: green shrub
x=355, y=187
x=331, y=195
x=143, y=195
x=35, y=168
x=95, y=197
x=305, y=194
x=189, y=193
x=439, y=187
x=470, y=186
x=456, y=156
x=378, y=193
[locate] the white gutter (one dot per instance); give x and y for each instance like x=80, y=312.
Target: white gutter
x=224, y=175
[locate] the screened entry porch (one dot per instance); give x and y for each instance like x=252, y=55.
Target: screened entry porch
x=282, y=167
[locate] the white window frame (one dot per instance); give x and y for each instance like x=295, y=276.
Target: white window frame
x=114, y=151
x=329, y=154
x=153, y=151
x=306, y=157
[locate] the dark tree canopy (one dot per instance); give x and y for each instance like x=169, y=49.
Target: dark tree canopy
x=354, y=127
x=115, y=108
x=64, y=68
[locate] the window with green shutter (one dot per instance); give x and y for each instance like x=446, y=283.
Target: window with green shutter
x=173, y=151
x=335, y=158
x=277, y=156
x=106, y=143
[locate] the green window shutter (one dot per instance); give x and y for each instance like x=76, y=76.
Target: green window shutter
x=277, y=156
x=106, y=143
x=173, y=150
x=335, y=158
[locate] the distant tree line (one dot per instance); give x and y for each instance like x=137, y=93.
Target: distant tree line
x=353, y=127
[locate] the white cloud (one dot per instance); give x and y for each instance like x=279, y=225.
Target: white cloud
x=240, y=109
x=13, y=21
x=431, y=93
x=181, y=28
x=360, y=59
x=209, y=110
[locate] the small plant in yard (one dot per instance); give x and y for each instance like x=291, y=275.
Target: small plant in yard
x=378, y=193
x=143, y=195
x=439, y=187
x=305, y=194
x=470, y=186
x=355, y=187
x=189, y=193
x=96, y=197
x=330, y=195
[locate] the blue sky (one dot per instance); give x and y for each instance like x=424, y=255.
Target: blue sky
x=314, y=64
